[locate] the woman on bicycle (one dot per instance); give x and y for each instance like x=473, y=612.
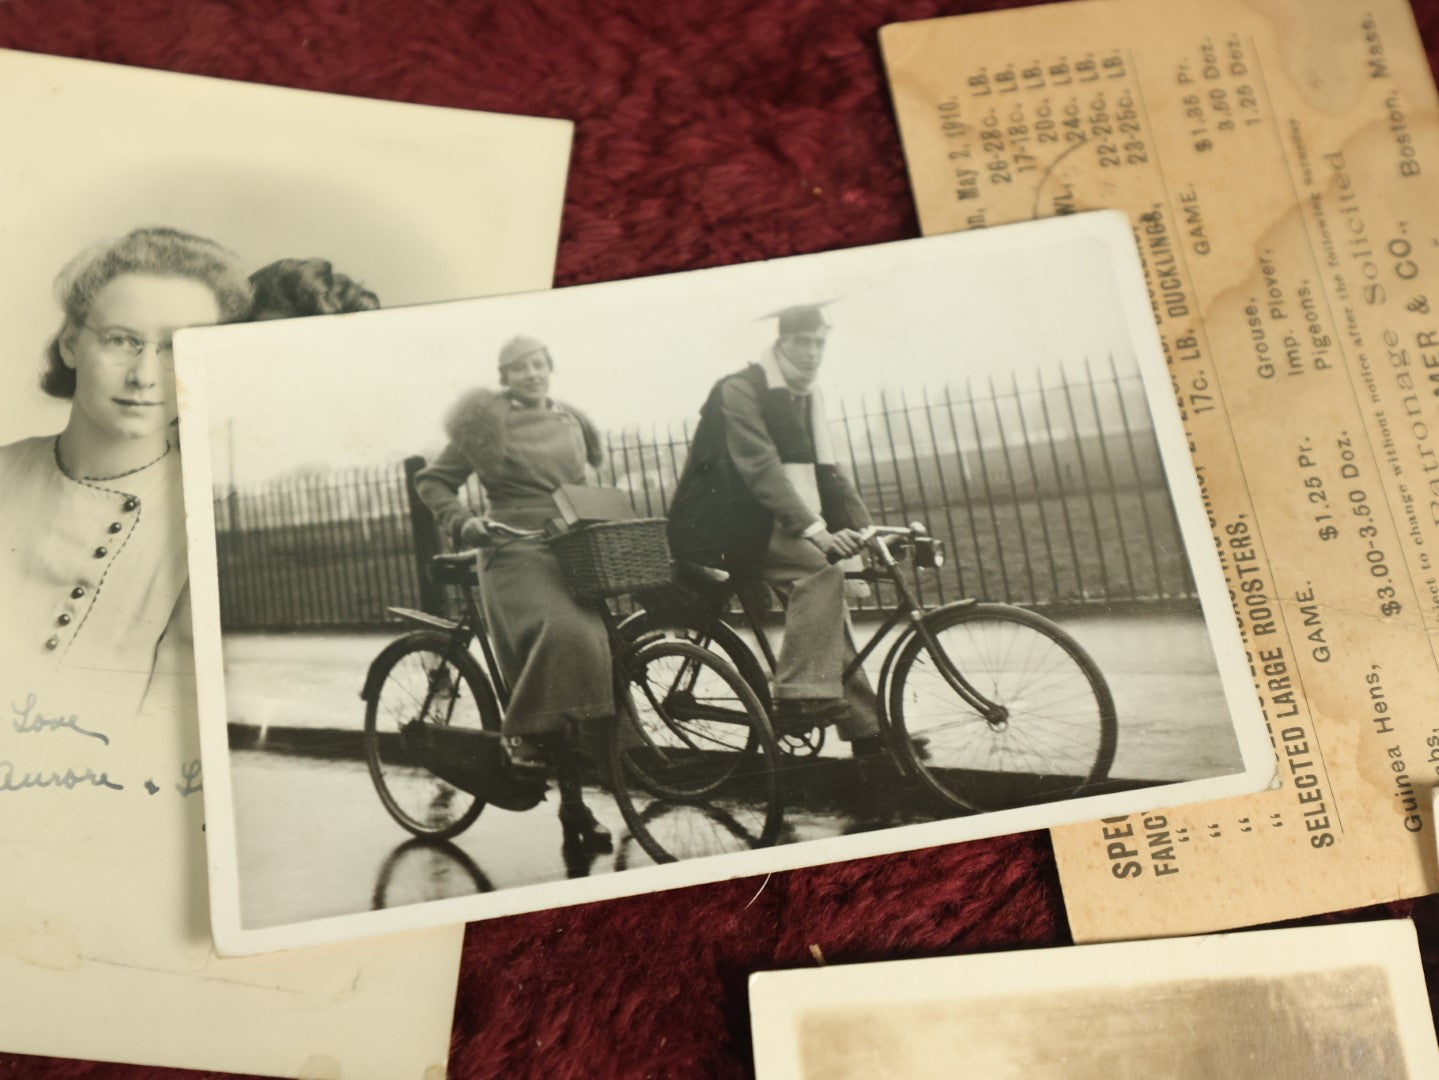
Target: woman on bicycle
x=92, y=542
x=522, y=444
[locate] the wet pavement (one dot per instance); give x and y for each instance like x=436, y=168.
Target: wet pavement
x=1173, y=718
x=313, y=840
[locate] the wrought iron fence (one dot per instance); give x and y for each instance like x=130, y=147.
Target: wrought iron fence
x=1048, y=494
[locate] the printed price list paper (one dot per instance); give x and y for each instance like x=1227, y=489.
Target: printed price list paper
x=1277, y=163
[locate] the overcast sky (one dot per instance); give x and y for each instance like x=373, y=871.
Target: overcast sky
x=372, y=388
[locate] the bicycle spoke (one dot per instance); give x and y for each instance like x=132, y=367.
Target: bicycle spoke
x=696, y=780
x=1056, y=729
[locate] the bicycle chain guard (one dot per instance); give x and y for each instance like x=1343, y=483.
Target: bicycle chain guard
x=473, y=761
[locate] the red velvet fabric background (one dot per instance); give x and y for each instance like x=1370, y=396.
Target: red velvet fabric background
x=709, y=132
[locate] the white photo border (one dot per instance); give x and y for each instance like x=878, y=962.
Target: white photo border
x=195, y=349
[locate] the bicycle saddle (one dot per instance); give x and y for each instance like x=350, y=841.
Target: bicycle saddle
x=456, y=569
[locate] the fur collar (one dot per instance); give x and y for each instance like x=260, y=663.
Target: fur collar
x=475, y=423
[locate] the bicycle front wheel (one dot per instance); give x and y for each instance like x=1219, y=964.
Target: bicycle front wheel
x=428, y=693
x=692, y=757
x=1057, y=734
x=694, y=728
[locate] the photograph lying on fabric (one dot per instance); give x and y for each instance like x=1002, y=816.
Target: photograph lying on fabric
x=730, y=571
x=1320, y=1002
x=132, y=203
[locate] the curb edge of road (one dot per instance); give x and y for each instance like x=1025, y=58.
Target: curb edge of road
x=287, y=739
x=836, y=782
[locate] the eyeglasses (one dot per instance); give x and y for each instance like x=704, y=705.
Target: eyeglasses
x=119, y=346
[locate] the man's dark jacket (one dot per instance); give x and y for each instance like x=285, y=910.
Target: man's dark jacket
x=733, y=488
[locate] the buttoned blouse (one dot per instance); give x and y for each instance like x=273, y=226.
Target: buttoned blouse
x=92, y=570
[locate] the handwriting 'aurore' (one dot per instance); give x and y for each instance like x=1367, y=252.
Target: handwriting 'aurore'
x=69, y=780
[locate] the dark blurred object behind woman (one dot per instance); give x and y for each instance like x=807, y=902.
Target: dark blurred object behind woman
x=295, y=288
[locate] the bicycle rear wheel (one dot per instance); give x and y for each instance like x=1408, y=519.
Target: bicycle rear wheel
x=1059, y=731
x=693, y=761
x=425, y=688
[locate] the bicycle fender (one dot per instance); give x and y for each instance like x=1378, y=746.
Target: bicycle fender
x=638, y=628
x=424, y=618
x=887, y=669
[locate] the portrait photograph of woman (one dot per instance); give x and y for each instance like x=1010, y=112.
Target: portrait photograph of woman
x=102, y=264
x=102, y=589
x=135, y=204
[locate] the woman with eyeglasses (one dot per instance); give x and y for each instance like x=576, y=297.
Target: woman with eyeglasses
x=92, y=541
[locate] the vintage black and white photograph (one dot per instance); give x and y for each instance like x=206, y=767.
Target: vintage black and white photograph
x=540, y=599
x=134, y=203
x=1321, y=1003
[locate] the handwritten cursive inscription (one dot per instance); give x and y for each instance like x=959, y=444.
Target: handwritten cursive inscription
x=191, y=775
x=27, y=719
x=69, y=780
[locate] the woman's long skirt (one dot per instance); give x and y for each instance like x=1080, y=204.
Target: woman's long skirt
x=552, y=650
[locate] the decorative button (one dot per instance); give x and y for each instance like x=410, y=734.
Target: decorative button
x=77, y=592
x=115, y=527
x=130, y=504
x=101, y=552
x=53, y=643
x=64, y=619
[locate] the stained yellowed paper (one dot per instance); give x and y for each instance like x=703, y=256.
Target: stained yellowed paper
x=105, y=949
x=1277, y=163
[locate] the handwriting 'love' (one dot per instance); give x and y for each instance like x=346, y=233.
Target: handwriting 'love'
x=28, y=719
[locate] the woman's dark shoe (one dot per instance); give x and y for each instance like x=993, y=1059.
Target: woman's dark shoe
x=868, y=746
x=582, y=829
x=882, y=783
x=527, y=756
x=802, y=714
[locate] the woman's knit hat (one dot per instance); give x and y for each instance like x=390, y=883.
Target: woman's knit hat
x=517, y=348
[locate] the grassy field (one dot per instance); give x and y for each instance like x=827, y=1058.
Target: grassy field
x=1050, y=550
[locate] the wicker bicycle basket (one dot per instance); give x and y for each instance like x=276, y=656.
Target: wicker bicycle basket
x=613, y=557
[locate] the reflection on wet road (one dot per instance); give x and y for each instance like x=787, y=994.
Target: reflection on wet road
x=314, y=841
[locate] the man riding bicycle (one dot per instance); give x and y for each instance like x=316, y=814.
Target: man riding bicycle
x=762, y=497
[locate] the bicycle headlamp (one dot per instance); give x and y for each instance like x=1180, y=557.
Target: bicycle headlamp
x=928, y=552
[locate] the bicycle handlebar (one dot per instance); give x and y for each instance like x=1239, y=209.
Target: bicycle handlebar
x=495, y=529
x=870, y=535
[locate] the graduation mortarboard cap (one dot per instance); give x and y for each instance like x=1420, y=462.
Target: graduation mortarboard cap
x=801, y=318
